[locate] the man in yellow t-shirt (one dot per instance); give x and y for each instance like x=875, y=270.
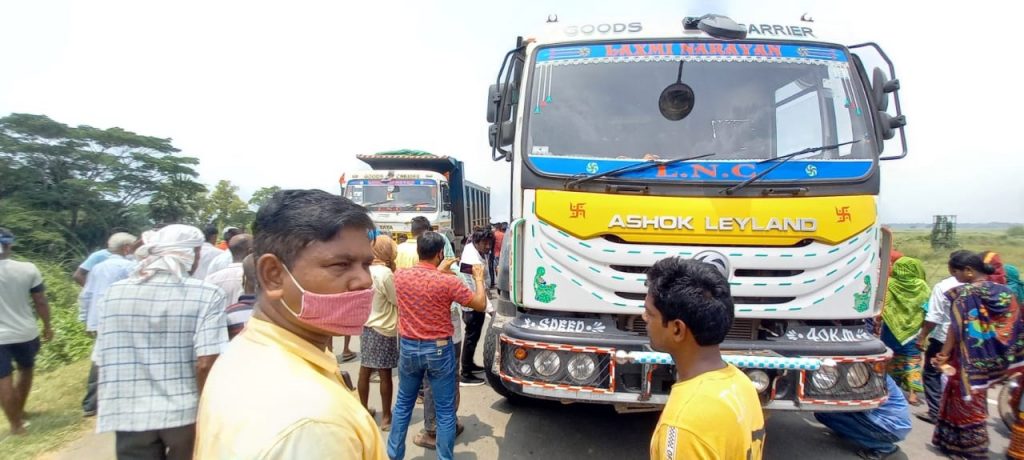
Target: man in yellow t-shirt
x=713, y=411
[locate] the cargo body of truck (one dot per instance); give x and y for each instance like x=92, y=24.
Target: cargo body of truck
x=406, y=183
x=752, y=147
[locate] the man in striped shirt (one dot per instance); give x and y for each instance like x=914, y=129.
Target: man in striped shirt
x=160, y=333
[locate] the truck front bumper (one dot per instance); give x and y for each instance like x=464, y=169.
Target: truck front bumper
x=581, y=367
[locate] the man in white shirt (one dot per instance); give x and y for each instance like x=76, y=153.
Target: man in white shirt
x=931, y=339
x=225, y=258
x=230, y=278
x=207, y=252
x=117, y=266
x=474, y=254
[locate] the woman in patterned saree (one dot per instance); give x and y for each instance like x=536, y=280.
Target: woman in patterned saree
x=985, y=345
x=902, y=318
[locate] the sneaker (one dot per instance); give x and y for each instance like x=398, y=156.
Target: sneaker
x=470, y=381
x=473, y=369
x=925, y=417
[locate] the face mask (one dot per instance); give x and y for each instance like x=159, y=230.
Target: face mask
x=339, y=314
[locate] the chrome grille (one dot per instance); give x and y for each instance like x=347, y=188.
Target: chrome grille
x=742, y=328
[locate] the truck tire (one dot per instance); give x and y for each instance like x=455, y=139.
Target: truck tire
x=490, y=343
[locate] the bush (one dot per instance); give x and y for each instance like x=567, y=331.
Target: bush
x=1016, y=230
x=70, y=342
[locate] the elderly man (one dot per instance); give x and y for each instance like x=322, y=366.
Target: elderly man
x=116, y=267
x=312, y=260
x=19, y=335
x=159, y=334
x=230, y=278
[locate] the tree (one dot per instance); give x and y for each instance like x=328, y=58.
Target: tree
x=81, y=182
x=223, y=207
x=261, y=196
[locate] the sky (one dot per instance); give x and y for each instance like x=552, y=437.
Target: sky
x=287, y=93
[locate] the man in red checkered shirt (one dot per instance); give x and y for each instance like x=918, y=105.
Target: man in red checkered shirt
x=425, y=294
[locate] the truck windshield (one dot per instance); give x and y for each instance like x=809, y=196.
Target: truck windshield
x=594, y=108
x=394, y=195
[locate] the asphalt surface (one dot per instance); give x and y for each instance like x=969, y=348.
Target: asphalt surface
x=496, y=429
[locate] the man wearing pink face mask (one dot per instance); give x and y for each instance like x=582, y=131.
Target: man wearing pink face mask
x=313, y=255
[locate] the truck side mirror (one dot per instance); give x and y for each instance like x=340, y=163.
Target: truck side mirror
x=495, y=94
x=881, y=86
x=508, y=134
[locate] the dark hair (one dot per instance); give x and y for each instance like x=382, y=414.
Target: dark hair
x=694, y=292
x=419, y=225
x=429, y=245
x=210, y=230
x=482, y=234
x=962, y=259
x=292, y=219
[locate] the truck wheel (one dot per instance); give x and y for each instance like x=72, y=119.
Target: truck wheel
x=490, y=344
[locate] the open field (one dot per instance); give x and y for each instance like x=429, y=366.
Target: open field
x=917, y=243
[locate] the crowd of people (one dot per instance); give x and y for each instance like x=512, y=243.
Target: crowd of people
x=164, y=307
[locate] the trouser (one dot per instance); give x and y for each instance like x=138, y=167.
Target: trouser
x=474, y=329
x=856, y=427
x=434, y=359
x=429, y=411
x=932, y=378
x=169, y=443
x=89, y=403
x=492, y=266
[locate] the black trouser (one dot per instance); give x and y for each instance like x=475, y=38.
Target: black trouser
x=474, y=329
x=170, y=443
x=932, y=378
x=492, y=267
x=89, y=403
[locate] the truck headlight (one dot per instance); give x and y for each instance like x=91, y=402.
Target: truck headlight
x=760, y=380
x=547, y=363
x=581, y=368
x=825, y=377
x=858, y=375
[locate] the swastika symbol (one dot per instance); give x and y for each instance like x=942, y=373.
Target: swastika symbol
x=843, y=214
x=577, y=210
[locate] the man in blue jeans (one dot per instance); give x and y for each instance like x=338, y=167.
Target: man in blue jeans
x=425, y=294
x=876, y=431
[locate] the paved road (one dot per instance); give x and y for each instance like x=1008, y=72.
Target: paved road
x=544, y=430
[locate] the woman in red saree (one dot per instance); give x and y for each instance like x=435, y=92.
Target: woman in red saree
x=985, y=345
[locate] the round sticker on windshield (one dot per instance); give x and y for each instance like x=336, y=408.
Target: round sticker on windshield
x=592, y=167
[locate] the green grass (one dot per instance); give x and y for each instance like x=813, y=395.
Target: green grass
x=55, y=411
x=917, y=243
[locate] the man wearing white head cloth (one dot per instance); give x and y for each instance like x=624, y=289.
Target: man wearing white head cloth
x=160, y=332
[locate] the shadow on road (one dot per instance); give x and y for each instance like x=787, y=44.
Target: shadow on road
x=547, y=429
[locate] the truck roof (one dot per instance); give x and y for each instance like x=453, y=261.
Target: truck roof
x=787, y=27
x=411, y=159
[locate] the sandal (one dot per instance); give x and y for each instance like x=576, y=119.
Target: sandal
x=346, y=357
x=425, y=441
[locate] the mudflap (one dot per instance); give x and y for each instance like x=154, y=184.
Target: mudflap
x=493, y=379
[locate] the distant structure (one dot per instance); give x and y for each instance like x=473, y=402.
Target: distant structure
x=944, y=232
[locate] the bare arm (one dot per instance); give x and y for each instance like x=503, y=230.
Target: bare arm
x=43, y=310
x=926, y=330
x=203, y=366
x=80, y=276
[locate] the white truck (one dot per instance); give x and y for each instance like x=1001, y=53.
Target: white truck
x=755, y=147
x=408, y=183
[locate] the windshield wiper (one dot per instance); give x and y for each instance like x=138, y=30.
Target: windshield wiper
x=633, y=168
x=782, y=159
x=377, y=203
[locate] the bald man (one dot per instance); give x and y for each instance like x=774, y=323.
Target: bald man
x=230, y=278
